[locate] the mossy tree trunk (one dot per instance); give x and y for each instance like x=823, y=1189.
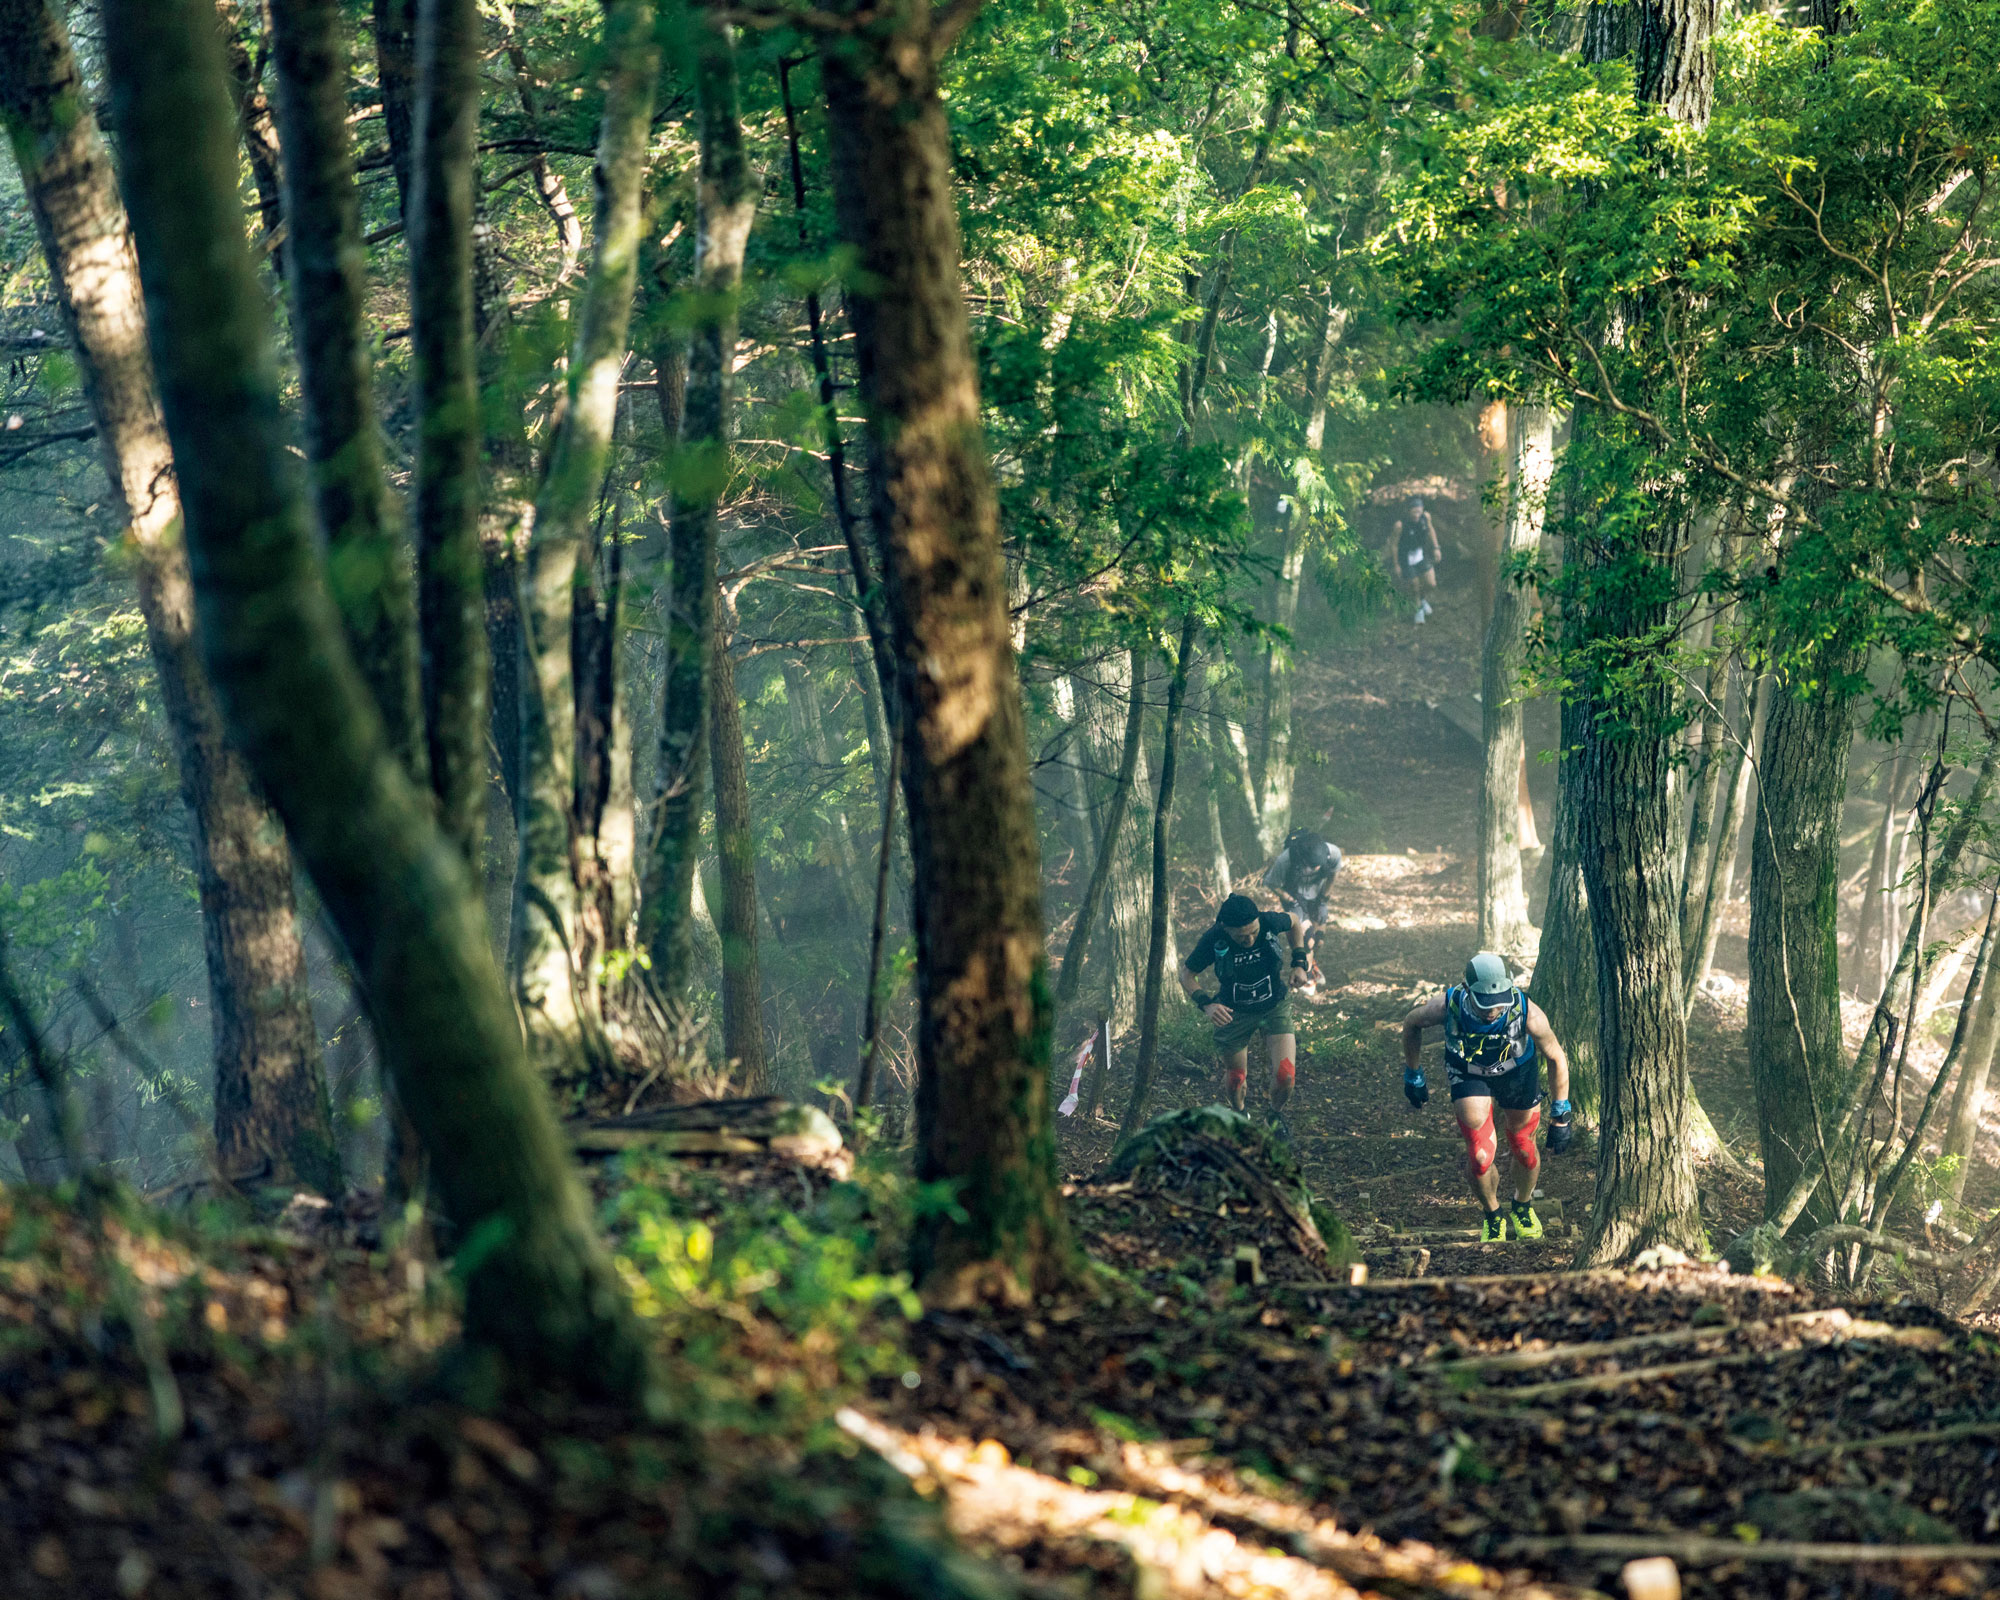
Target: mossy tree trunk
x=736, y=851
x=983, y=1115
x=552, y=958
x=539, y=1286
x=271, y=1115
x=366, y=562
x=725, y=207
x=451, y=602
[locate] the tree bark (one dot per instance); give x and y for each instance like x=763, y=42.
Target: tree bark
x=1274, y=808
x=1720, y=874
x=726, y=204
x=451, y=601
x=1645, y=1168
x=1503, y=899
x=258, y=129
x=1969, y=1096
x=983, y=1120
x=271, y=1116
x=1871, y=934
x=1162, y=924
x=395, y=28
x=367, y=564
x=1565, y=982
x=736, y=852
x=1705, y=801
x=1069, y=981
x=565, y=1034
x=1798, y=1063
x=539, y=1286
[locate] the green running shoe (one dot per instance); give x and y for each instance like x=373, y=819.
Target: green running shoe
x=1526, y=1224
x=1493, y=1230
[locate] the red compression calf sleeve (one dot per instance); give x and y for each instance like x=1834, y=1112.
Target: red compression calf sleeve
x=1523, y=1140
x=1286, y=1074
x=1480, y=1144
x=1236, y=1077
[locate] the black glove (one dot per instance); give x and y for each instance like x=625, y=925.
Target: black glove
x=1415, y=1090
x=1560, y=1132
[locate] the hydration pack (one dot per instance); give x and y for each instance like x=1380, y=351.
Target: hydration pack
x=1486, y=1049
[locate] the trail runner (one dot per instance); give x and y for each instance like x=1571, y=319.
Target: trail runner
x=1302, y=876
x=1246, y=949
x=1417, y=554
x=1494, y=1041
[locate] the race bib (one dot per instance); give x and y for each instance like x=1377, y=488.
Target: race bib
x=1256, y=992
x=1414, y=559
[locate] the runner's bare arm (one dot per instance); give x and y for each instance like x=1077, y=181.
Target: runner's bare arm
x=1550, y=1046
x=1428, y=1015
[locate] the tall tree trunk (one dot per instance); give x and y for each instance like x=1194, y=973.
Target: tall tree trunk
x=1161, y=931
x=736, y=853
x=1798, y=1063
x=539, y=1287
x=726, y=204
x=395, y=29
x=1876, y=916
x=983, y=1119
x=366, y=559
x=1274, y=808
x=1705, y=799
x=1124, y=961
x=1110, y=838
x=565, y=1035
x=1630, y=853
x=1503, y=899
x=1565, y=983
x=451, y=601
x=1645, y=1170
x=1720, y=874
x=271, y=1115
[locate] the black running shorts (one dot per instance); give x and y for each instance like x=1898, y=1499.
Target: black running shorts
x=1519, y=1089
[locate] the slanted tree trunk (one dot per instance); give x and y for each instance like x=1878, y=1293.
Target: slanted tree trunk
x=1110, y=839
x=366, y=560
x=1157, y=948
x=257, y=126
x=736, y=853
x=451, y=601
x=1503, y=898
x=539, y=1287
x=1798, y=1063
x=1969, y=1096
x=271, y=1116
x=1705, y=797
x=1861, y=1079
x=983, y=1117
x=1871, y=937
x=726, y=204
x=565, y=1031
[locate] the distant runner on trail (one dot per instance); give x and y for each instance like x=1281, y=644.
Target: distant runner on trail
x=1254, y=978
x=1301, y=875
x=1415, y=542
x=1494, y=1039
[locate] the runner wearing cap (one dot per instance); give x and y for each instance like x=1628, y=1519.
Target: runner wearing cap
x=1254, y=978
x=1494, y=1039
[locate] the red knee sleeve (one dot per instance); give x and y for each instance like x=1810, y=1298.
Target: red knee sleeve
x=1480, y=1144
x=1286, y=1073
x=1523, y=1140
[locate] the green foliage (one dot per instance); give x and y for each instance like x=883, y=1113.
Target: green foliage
x=772, y=1315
